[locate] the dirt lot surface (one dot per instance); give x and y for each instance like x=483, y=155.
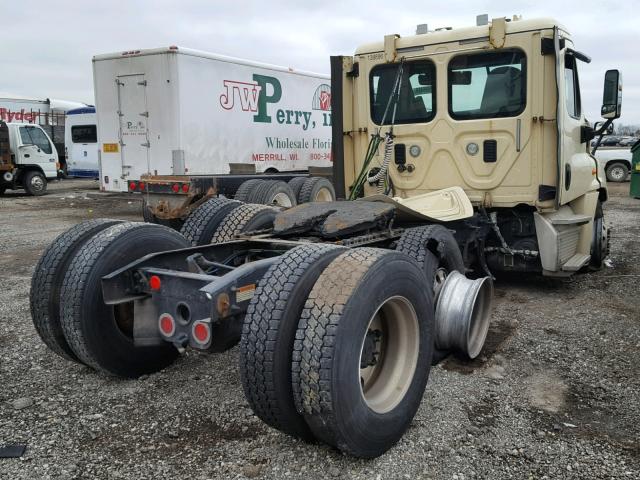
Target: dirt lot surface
x=555, y=394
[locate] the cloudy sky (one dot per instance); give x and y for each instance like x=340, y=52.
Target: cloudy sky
x=46, y=47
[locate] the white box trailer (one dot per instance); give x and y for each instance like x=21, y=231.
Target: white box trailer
x=81, y=143
x=176, y=111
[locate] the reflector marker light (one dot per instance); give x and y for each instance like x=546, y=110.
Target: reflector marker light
x=167, y=325
x=201, y=333
x=154, y=282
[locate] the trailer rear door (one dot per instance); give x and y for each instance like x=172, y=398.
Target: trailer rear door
x=134, y=125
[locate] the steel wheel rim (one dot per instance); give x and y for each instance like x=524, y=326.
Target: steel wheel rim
x=282, y=200
x=37, y=183
x=384, y=384
x=323, y=195
x=617, y=173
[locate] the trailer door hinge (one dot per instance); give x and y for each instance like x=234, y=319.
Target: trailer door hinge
x=120, y=114
x=119, y=83
x=147, y=144
x=145, y=114
x=143, y=83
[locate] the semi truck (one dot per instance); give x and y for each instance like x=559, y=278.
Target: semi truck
x=460, y=154
x=181, y=117
x=28, y=158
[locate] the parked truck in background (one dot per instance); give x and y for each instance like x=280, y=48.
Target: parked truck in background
x=81, y=143
x=174, y=116
x=28, y=158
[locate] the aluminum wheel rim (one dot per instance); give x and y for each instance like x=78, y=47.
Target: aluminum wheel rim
x=617, y=173
x=323, y=195
x=282, y=200
x=385, y=384
x=37, y=183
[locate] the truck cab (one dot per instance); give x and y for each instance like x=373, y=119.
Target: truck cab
x=494, y=109
x=28, y=158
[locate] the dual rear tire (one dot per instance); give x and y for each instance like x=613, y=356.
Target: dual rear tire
x=337, y=346
x=67, y=306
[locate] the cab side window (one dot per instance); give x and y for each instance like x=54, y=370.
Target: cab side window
x=417, y=100
x=572, y=86
x=487, y=85
x=35, y=136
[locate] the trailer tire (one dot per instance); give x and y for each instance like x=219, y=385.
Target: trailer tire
x=296, y=184
x=202, y=223
x=34, y=183
x=274, y=192
x=435, y=249
x=246, y=218
x=46, y=282
x=364, y=413
x=316, y=189
x=269, y=331
x=100, y=335
x=246, y=189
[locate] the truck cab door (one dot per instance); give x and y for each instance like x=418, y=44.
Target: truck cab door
x=37, y=149
x=575, y=165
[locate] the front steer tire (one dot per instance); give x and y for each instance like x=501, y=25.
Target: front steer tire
x=101, y=335
x=34, y=183
x=364, y=414
x=269, y=331
x=46, y=283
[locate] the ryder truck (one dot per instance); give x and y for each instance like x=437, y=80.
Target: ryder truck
x=182, y=113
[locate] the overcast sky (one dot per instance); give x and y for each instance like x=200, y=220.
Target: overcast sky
x=46, y=46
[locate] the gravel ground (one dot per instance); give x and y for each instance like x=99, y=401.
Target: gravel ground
x=555, y=393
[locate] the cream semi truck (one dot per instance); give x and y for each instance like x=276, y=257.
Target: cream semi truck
x=462, y=153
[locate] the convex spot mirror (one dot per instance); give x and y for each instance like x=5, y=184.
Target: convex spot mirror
x=612, y=95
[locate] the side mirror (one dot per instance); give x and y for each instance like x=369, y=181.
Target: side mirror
x=612, y=95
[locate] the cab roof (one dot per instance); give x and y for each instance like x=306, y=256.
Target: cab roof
x=465, y=33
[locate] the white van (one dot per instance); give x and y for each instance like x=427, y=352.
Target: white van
x=28, y=158
x=81, y=143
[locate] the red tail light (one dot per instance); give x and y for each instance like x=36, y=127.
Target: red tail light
x=141, y=185
x=185, y=188
x=201, y=332
x=154, y=282
x=167, y=325
x=175, y=187
x=132, y=186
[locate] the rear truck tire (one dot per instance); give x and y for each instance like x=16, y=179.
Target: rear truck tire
x=363, y=350
x=269, y=331
x=273, y=192
x=46, y=282
x=175, y=223
x=202, y=223
x=246, y=189
x=296, y=184
x=600, y=242
x=617, y=172
x=316, y=189
x=436, y=251
x=34, y=183
x=101, y=335
x=246, y=218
